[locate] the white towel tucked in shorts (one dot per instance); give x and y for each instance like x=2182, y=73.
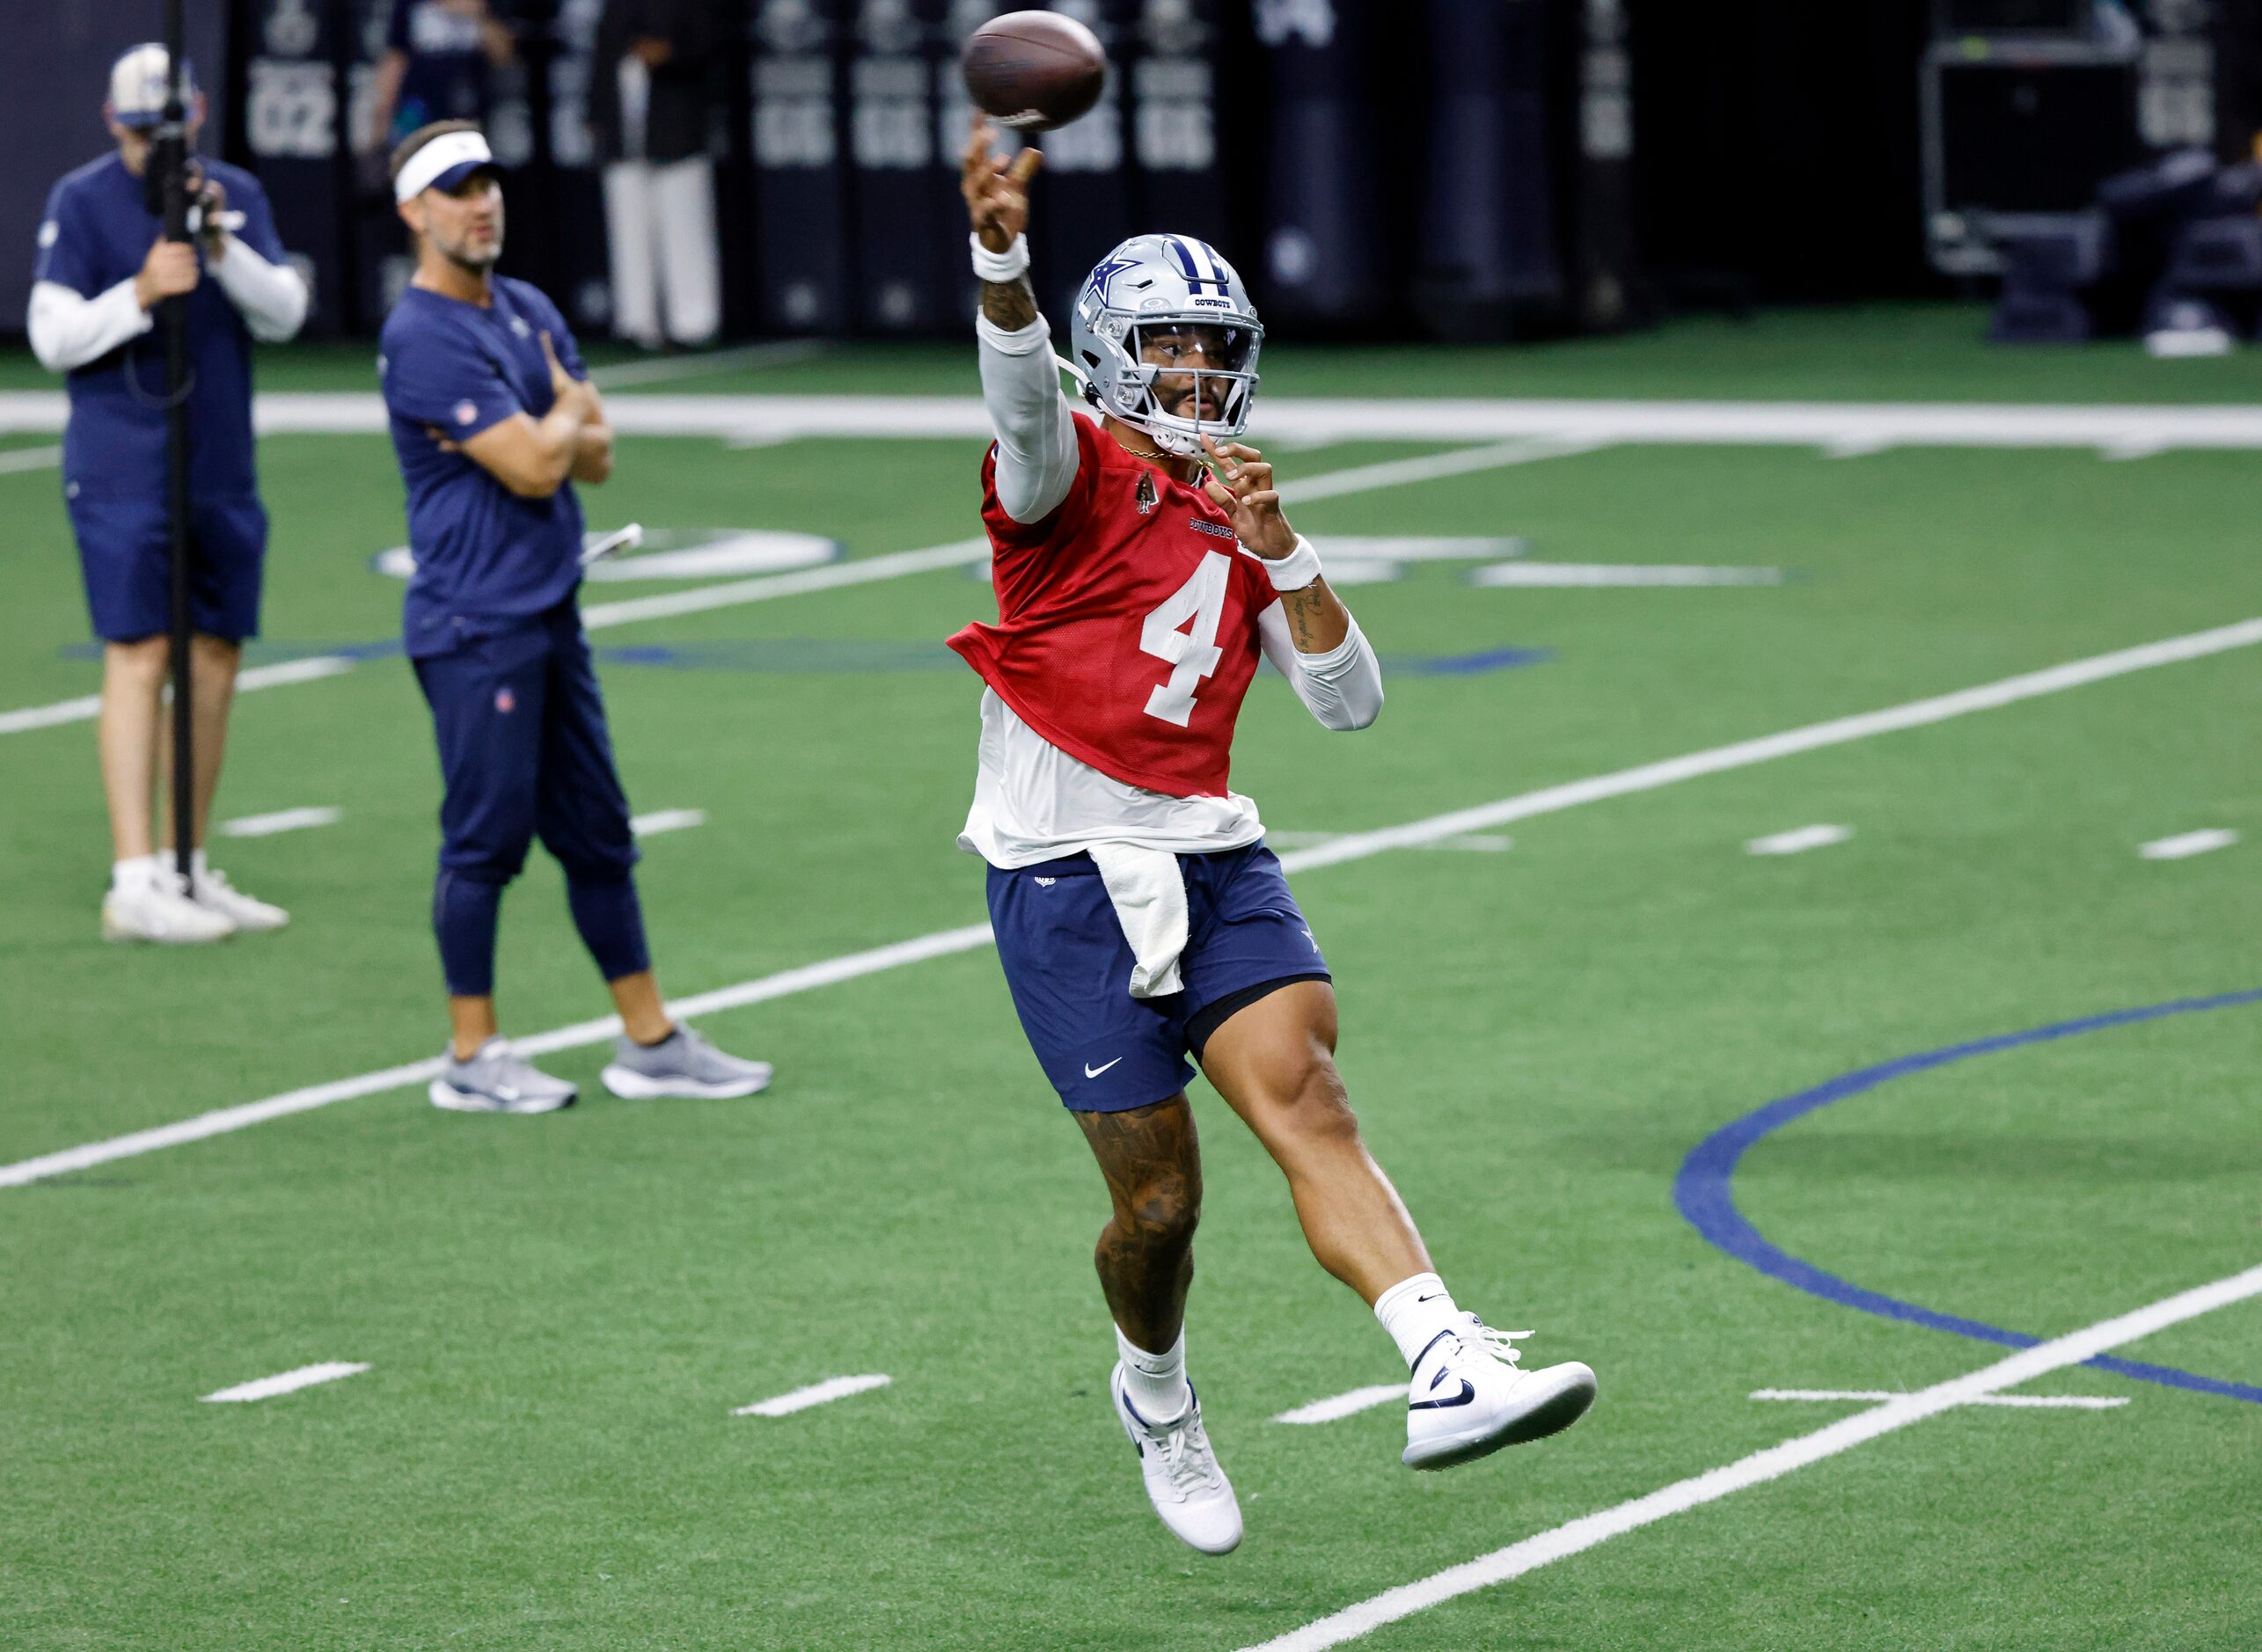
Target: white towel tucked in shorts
x=1148, y=891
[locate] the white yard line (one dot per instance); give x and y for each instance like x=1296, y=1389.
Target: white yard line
x=1432, y=467
x=84, y=709
x=1900, y=1412
x=1830, y=427
x=1745, y=754
x=2040, y=1402
x=832, y=576
x=285, y=1382
x=87, y=707
x=816, y=1394
x=580, y=1034
x=2184, y=845
x=283, y=820
x=1336, y=1406
x=15, y=460
x=1608, y=575
x=1354, y=846
x=666, y=820
x=1798, y=841
x=1482, y=843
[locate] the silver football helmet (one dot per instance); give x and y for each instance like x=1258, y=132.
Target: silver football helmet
x=1166, y=283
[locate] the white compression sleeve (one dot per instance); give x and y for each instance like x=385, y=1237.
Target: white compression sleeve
x=68, y=331
x=270, y=297
x=1036, y=437
x=1342, y=688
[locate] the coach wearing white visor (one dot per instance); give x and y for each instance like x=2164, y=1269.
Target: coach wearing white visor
x=495, y=423
x=103, y=269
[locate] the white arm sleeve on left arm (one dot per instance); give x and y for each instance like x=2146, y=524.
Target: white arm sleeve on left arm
x=1342, y=688
x=270, y=297
x=68, y=330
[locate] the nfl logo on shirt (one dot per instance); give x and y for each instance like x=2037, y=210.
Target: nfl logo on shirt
x=505, y=701
x=466, y=412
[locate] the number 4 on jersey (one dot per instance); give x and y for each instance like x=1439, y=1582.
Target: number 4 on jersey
x=1184, y=632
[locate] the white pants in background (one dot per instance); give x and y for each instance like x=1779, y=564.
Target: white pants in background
x=660, y=224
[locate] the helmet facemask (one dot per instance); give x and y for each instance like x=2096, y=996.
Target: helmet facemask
x=1226, y=381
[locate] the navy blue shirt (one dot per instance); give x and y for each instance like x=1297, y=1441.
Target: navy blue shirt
x=483, y=553
x=97, y=233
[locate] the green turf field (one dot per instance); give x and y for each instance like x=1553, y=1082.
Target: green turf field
x=560, y=1315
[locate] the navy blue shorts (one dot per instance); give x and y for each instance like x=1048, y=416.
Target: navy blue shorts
x=124, y=555
x=1069, y=968
x=524, y=752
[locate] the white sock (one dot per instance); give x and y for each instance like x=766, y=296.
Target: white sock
x=133, y=875
x=1156, y=1383
x=196, y=863
x=1414, y=1312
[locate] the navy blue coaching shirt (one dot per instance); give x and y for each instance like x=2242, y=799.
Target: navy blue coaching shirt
x=97, y=233
x=483, y=553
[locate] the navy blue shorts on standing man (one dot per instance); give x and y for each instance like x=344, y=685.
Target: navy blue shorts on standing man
x=1069, y=968
x=125, y=555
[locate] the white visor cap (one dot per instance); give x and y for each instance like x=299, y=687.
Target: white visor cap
x=443, y=164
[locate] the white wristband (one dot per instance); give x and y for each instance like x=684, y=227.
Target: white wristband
x=1009, y=266
x=1296, y=570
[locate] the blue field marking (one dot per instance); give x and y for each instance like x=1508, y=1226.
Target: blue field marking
x=1705, y=1188
x=1476, y=665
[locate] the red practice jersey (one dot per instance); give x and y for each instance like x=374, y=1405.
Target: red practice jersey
x=1126, y=631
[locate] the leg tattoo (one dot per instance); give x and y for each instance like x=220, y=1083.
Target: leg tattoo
x=1153, y=1164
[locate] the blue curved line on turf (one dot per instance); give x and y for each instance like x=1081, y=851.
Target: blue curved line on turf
x=1705, y=1188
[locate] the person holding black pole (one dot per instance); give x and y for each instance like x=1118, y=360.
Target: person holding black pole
x=103, y=269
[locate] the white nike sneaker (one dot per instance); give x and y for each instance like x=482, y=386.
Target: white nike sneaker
x=1467, y=1399
x=1183, y=1482
x=215, y=894
x=157, y=911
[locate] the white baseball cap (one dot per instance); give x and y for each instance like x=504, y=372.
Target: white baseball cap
x=137, y=86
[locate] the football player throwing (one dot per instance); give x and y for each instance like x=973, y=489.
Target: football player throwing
x=1141, y=563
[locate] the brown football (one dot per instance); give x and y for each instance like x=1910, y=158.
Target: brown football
x=1034, y=71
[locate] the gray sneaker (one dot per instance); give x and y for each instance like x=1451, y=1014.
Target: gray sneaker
x=496, y=1081
x=682, y=1064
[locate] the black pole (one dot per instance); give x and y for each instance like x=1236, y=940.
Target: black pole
x=169, y=165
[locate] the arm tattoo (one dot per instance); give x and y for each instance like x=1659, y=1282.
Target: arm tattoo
x=1009, y=304
x=1313, y=612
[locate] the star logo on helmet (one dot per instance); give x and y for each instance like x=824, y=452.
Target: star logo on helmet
x=1108, y=269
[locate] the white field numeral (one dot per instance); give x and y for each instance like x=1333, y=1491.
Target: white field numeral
x=1193, y=653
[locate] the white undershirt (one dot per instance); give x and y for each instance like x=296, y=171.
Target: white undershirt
x=68, y=330
x=1032, y=800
